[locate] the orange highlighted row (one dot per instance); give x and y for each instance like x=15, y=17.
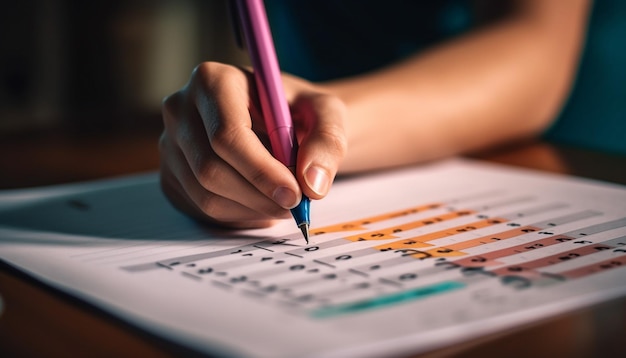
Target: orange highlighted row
x=422, y=240
x=388, y=233
x=455, y=249
x=360, y=224
x=489, y=258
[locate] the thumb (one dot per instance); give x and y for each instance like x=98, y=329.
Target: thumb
x=319, y=120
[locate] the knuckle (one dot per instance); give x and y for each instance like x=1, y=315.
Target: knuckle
x=210, y=74
x=332, y=103
x=334, y=140
x=216, y=134
x=210, y=206
x=328, y=121
x=222, y=136
x=207, y=172
x=213, y=83
x=258, y=177
x=171, y=107
x=333, y=131
x=216, y=88
x=202, y=72
x=338, y=143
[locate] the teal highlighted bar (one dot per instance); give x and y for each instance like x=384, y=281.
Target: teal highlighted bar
x=387, y=300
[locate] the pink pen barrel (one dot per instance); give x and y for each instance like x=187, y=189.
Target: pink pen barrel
x=274, y=105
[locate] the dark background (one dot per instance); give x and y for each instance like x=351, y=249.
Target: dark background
x=82, y=78
x=102, y=65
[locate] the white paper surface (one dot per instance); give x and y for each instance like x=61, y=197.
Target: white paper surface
x=402, y=262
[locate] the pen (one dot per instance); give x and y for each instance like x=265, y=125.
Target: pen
x=258, y=38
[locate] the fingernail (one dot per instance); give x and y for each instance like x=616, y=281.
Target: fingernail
x=317, y=179
x=285, y=197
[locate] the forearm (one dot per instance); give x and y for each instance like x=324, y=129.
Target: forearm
x=505, y=81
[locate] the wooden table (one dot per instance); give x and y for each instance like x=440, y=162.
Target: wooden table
x=37, y=320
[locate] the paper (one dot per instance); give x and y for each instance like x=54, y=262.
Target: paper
x=399, y=262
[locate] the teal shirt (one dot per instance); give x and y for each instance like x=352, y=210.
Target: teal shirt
x=594, y=116
x=326, y=39
x=321, y=40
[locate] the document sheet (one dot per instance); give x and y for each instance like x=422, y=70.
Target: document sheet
x=399, y=262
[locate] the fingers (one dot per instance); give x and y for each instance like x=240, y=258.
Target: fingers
x=226, y=118
x=215, y=167
x=201, y=183
x=187, y=194
x=320, y=119
x=192, y=147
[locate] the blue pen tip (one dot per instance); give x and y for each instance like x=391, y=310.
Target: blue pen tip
x=305, y=231
x=301, y=214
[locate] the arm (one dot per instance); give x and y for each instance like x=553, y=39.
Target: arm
x=504, y=81
x=498, y=83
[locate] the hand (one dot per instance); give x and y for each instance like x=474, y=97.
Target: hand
x=215, y=165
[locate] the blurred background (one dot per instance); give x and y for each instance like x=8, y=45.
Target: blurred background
x=102, y=64
x=81, y=83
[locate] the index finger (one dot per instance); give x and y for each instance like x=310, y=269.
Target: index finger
x=222, y=96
